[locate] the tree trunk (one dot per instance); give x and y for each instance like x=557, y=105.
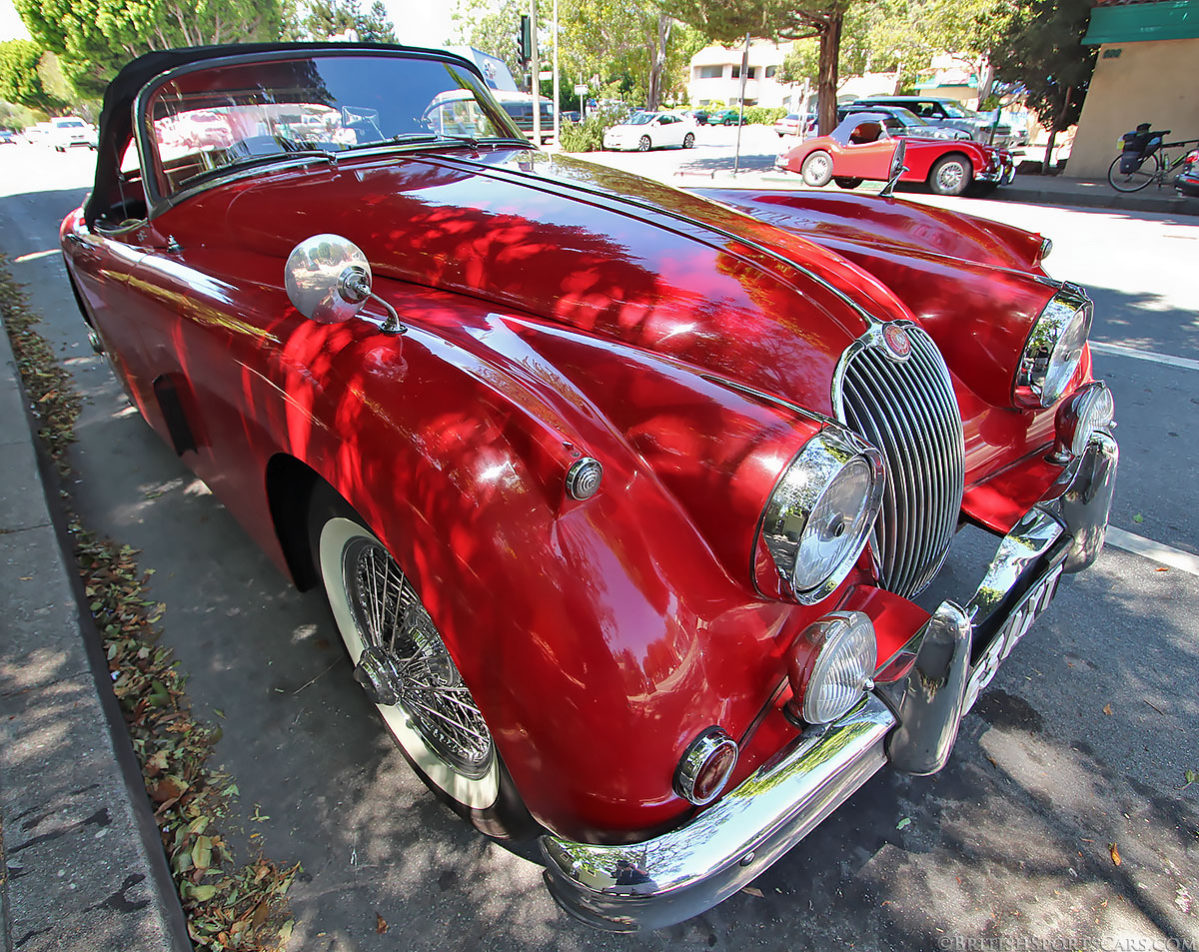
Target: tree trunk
x=657, y=66
x=826, y=81
x=1047, y=162
x=1055, y=128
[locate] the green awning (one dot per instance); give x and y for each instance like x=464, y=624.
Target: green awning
x=1136, y=22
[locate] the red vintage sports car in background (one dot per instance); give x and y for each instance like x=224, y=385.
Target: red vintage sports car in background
x=864, y=144
x=621, y=496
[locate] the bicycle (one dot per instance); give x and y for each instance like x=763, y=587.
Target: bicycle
x=1155, y=167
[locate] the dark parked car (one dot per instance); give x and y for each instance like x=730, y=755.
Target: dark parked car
x=948, y=113
x=621, y=496
x=1187, y=181
x=904, y=122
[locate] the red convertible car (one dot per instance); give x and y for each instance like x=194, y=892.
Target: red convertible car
x=621, y=496
x=864, y=145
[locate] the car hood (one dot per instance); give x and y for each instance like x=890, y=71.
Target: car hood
x=615, y=256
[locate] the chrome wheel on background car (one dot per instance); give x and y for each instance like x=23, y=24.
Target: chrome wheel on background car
x=689, y=140
x=817, y=170
x=643, y=144
x=951, y=175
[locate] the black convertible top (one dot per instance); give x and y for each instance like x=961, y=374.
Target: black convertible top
x=116, y=117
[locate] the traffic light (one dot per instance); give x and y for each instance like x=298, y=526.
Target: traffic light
x=524, y=41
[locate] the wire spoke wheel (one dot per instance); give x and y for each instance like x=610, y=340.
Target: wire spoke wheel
x=390, y=618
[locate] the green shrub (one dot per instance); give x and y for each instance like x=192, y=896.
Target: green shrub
x=764, y=115
x=588, y=135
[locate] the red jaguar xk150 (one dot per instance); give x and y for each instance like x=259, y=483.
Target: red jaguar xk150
x=869, y=146
x=621, y=496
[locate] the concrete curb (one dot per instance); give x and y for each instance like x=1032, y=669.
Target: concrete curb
x=84, y=866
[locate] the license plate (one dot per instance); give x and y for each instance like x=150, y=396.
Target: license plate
x=1035, y=601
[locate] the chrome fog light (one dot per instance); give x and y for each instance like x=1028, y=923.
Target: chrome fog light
x=706, y=766
x=831, y=666
x=1091, y=408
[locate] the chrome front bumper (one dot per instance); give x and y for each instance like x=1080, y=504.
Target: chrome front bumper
x=729, y=844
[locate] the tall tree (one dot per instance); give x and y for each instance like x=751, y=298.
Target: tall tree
x=638, y=41
x=1041, y=50
x=329, y=18
x=21, y=79
x=729, y=21
x=492, y=28
x=92, y=40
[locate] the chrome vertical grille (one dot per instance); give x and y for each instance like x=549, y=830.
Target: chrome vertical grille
x=906, y=408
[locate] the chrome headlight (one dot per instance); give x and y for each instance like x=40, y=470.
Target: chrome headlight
x=821, y=512
x=1053, y=349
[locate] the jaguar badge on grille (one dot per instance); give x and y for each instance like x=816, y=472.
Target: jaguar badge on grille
x=897, y=341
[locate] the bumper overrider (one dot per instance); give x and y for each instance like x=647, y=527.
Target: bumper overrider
x=1001, y=170
x=910, y=720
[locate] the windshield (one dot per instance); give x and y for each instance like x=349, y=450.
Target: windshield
x=207, y=120
x=640, y=119
x=957, y=112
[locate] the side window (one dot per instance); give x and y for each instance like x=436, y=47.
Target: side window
x=865, y=133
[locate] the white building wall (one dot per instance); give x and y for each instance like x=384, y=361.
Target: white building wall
x=762, y=90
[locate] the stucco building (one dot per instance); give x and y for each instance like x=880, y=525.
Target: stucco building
x=716, y=75
x=1148, y=52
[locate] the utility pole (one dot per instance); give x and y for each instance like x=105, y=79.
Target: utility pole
x=557, y=91
x=535, y=74
x=741, y=107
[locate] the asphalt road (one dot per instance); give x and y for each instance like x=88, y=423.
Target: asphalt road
x=1012, y=840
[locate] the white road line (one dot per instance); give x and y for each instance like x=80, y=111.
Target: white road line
x=1157, y=551
x=1119, y=350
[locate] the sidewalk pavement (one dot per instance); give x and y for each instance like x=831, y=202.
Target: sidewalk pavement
x=82, y=864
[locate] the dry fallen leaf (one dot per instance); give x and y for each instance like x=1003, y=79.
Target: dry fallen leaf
x=380, y=924
x=1107, y=709
x=753, y=891
x=1162, y=568
x=1115, y=854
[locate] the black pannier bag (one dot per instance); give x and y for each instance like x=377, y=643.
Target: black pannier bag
x=1138, y=146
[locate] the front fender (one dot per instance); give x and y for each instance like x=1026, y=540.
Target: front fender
x=599, y=637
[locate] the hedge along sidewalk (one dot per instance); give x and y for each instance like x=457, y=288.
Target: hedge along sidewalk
x=83, y=865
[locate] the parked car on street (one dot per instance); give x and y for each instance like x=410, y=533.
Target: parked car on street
x=793, y=124
x=643, y=131
x=621, y=496
x=948, y=113
x=1187, y=181
x=66, y=132
x=727, y=117
x=7, y=138
x=863, y=145
x=906, y=122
